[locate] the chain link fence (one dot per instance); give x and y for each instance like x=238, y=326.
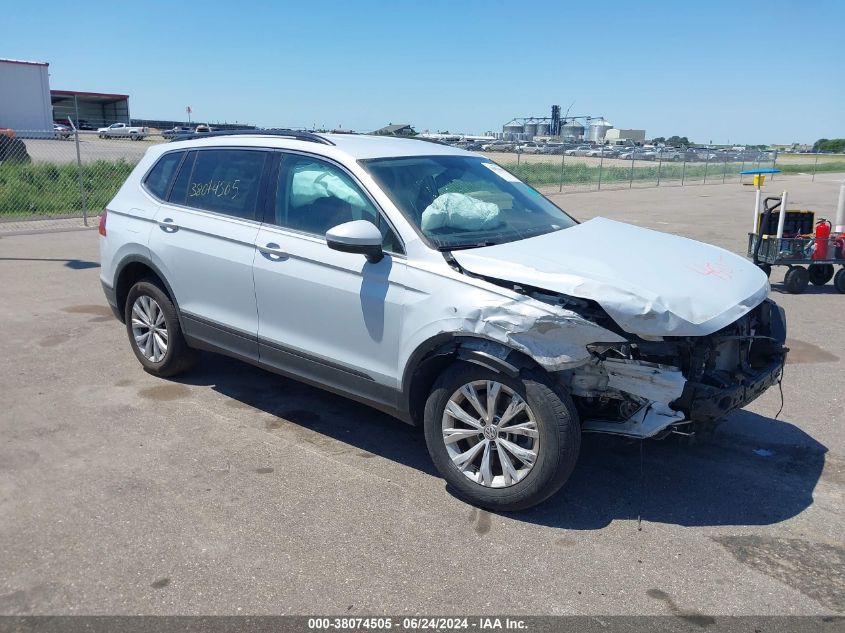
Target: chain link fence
x=51, y=180
x=603, y=168
x=54, y=180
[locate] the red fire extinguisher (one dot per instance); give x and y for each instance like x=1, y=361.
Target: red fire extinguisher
x=823, y=228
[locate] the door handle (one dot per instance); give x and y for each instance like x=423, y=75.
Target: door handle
x=168, y=226
x=272, y=250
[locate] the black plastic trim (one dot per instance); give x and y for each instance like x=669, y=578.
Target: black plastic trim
x=299, y=135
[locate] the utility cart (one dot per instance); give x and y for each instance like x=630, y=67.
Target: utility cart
x=795, y=239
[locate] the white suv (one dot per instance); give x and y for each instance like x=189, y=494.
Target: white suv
x=432, y=284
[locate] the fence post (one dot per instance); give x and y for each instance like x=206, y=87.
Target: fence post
x=601, y=165
x=815, y=164
x=562, y=167
x=742, y=168
x=684, y=169
x=79, y=164
x=706, y=163
x=81, y=179
x=518, y=153
x=774, y=162
x=725, y=170
x=631, y=178
x=659, y=166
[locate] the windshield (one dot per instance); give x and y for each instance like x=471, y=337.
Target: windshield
x=465, y=201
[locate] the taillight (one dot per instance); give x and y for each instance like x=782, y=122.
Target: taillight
x=102, y=228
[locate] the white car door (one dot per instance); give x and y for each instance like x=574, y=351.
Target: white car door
x=205, y=245
x=326, y=316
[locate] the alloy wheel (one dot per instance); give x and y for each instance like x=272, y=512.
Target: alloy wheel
x=490, y=434
x=149, y=328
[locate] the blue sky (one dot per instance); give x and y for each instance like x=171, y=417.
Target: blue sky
x=738, y=72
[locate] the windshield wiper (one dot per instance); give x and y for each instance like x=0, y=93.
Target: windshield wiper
x=466, y=245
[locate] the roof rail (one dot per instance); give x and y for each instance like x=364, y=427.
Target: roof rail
x=299, y=135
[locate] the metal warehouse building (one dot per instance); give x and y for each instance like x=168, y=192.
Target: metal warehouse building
x=28, y=105
x=98, y=109
x=25, y=96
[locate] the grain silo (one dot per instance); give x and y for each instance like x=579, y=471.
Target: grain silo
x=572, y=129
x=597, y=130
x=513, y=130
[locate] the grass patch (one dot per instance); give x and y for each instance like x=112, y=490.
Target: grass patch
x=580, y=173
x=809, y=168
x=50, y=189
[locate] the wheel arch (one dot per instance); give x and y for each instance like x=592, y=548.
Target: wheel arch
x=432, y=356
x=133, y=268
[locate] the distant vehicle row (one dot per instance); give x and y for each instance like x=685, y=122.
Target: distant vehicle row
x=625, y=152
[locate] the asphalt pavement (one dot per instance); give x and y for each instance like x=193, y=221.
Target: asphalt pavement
x=234, y=491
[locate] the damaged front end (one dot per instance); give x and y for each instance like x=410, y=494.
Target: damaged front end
x=648, y=388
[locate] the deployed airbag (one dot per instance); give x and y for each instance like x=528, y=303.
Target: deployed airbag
x=459, y=211
x=311, y=183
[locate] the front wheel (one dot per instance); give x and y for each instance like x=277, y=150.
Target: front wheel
x=502, y=443
x=796, y=279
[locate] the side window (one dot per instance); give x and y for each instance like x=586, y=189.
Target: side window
x=314, y=196
x=180, y=188
x=226, y=181
x=159, y=179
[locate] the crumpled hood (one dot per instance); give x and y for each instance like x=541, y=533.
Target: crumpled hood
x=650, y=283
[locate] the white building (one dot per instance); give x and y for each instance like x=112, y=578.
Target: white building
x=619, y=134
x=25, y=96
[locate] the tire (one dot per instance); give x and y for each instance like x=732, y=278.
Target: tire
x=766, y=268
x=150, y=299
x=796, y=279
x=839, y=280
x=556, y=445
x=820, y=274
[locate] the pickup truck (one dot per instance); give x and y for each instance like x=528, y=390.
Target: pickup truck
x=123, y=130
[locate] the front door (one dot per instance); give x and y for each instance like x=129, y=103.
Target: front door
x=327, y=316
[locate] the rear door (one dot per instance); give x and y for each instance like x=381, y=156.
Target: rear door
x=205, y=243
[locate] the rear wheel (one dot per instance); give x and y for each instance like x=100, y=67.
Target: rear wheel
x=796, y=279
x=502, y=443
x=820, y=274
x=839, y=280
x=154, y=331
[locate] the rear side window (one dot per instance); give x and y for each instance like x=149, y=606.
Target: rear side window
x=225, y=181
x=180, y=188
x=159, y=179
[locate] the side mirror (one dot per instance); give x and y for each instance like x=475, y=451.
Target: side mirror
x=358, y=236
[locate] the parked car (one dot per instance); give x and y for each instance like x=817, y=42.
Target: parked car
x=581, y=150
x=123, y=130
x=85, y=125
x=669, y=154
x=635, y=153
x=497, y=146
x=179, y=130
x=202, y=128
x=62, y=131
x=490, y=318
x=530, y=148
x=553, y=148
